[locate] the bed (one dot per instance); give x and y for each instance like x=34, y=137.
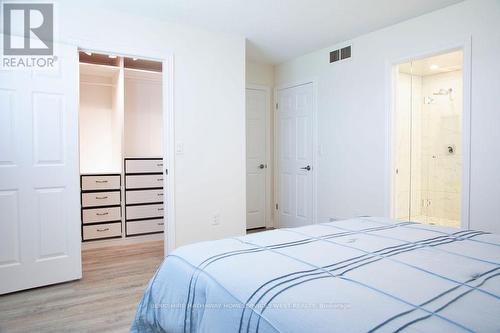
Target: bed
x=359, y=275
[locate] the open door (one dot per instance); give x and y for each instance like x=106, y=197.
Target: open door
x=39, y=184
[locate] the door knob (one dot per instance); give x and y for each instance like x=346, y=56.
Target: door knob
x=261, y=166
x=308, y=168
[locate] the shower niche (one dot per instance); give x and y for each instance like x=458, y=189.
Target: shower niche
x=427, y=139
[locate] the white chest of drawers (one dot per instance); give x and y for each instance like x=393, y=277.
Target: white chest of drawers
x=143, y=196
x=101, y=206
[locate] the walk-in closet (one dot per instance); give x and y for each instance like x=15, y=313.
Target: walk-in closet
x=121, y=151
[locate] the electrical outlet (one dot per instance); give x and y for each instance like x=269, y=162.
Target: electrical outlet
x=216, y=219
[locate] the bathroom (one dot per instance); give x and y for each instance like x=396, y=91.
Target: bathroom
x=427, y=140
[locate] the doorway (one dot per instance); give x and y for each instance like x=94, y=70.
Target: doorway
x=121, y=148
x=428, y=139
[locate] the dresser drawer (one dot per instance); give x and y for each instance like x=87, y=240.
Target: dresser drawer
x=143, y=166
x=102, y=231
x=104, y=182
x=96, y=215
x=144, y=181
x=96, y=199
x=145, y=227
x=144, y=211
x=144, y=196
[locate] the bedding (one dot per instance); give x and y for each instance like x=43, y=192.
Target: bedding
x=360, y=275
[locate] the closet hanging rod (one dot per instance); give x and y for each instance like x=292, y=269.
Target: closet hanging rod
x=140, y=70
x=98, y=84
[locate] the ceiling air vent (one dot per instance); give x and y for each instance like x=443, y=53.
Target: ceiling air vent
x=340, y=54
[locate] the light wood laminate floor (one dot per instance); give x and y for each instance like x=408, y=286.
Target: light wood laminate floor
x=104, y=300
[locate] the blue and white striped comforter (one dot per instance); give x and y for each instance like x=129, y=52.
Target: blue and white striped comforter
x=358, y=275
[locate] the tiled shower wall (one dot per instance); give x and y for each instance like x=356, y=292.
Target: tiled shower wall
x=436, y=125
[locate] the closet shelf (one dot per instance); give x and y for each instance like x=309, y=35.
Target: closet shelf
x=98, y=84
x=99, y=70
x=142, y=74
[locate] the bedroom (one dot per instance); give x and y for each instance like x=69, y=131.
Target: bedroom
x=210, y=62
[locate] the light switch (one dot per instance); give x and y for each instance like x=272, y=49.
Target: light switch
x=179, y=148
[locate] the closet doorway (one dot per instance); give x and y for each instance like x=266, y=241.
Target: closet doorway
x=258, y=157
x=428, y=140
x=121, y=136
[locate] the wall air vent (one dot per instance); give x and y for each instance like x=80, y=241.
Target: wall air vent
x=340, y=54
x=334, y=56
x=345, y=52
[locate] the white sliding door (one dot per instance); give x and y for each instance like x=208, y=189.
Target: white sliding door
x=39, y=183
x=295, y=155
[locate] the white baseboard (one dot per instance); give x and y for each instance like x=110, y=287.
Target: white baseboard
x=121, y=241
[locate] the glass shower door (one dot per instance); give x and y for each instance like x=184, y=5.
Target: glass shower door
x=428, y=138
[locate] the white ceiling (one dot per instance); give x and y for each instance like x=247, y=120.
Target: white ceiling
x=277, y=30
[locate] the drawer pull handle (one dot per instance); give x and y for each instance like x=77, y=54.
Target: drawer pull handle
x=160, y=209
x=160, y=194
x=159, y=164
x=160, y=179
x=102, y=198
x=161, y=223
x=102, y=230
x=101, y=181
x=102, y=214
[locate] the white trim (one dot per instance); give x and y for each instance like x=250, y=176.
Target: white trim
x=315, y=148
x=167, y=58
x=463, y=44
x=276, y=219
x=168, y=151
x=268, y=162
x=97, y=244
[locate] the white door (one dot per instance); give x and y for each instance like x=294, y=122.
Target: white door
x=256, y=106
x=295, y=156
x=39, y=183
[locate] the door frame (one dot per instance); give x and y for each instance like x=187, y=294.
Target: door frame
x=269, y=162
x=166, y=56
x=315, y=146
x=463, y=44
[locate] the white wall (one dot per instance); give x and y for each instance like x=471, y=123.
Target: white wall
x=209, y=103
x=263, y=75
x=353, y=110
